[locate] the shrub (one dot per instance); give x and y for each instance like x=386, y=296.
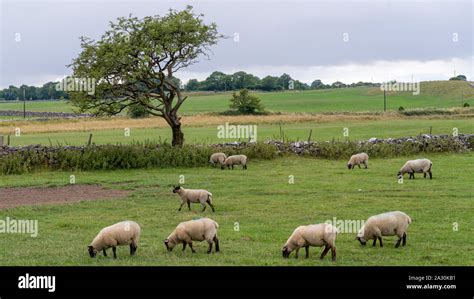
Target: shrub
x=466, y=105
x=401, y=108
x=137, y=111
x=244, y=103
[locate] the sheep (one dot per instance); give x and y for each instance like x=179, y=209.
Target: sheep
x=419, y=165
x=217, y=158
x=122, y=233
x=312, y=235
x=194, y=230
x=385, y=224
x=358, y=159
x=194, y=195
x=235, y=160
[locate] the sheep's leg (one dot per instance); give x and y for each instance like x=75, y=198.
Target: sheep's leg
x=325, y=251
x=245, y=166
x=306, y=248
x=296, y=252
x=358, y=165
x=431, y=176
x=105, y=253
x=191, y=246
x=398, y=242
x=232, y=166
x=209, y=250
x=184, y=246
x=211, y=205
x=375, y=242
x=424, y=175
x=203, y=204
x=182, y=204
x=114, y=249
x=366, y=165
x=404, y=239
x=189, y=206
x=380, y=241
x=333, y=253
x=216, y=241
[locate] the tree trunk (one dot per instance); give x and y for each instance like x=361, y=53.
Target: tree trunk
x=178, y=136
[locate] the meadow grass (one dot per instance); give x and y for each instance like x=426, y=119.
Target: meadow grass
x=322, y=131
x=265, y=208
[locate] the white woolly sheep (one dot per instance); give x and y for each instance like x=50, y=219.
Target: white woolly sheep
x=235, y=160
x=194, y=230
x=358, y=159
x=312, y=235
x=217, y=158
x=194, y=196
x=385, y=224
x=419, y=165
x=122, y=233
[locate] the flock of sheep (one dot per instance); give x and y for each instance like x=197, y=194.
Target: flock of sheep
x=318, y=235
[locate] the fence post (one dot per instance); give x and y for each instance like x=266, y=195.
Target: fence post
x=1, y=140
x=90, y=140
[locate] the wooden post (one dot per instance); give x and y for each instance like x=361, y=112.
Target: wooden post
x=384, y=101
x=90, y=140
x=431, y=130
x=1, y=140
x=8, y=139
x=309, y=137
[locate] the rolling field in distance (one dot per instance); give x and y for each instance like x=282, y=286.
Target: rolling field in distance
x=436, y=94
x=358, y=130
x=263, y=206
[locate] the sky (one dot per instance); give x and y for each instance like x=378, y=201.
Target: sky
x=348, y=41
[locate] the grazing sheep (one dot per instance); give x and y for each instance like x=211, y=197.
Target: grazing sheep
x=217, y=158
x=358, y=159
x=194, y=230
x=235, y=160
x=122, y=233
x=385, y=224
x=312, y=235
x=194, y=196
x=420, y=166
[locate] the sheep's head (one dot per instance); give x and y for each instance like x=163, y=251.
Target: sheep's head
x=285, y=252
x=92, y=251
x=169, y=245
x=360, y=237
x=349, y=165
x=176, y=189
x=399, y=174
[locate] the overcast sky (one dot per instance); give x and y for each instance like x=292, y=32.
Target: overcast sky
x=348, y=41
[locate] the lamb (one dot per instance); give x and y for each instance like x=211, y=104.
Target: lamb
x=217, y=158
x=312, y=235
x=194, y=230
x=385, y=224
x=235, y=160
x=419, y=165
x=122, y=233
x=358, y=159
x=194, y=195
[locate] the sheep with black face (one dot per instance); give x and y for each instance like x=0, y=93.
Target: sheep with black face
x=203, y=229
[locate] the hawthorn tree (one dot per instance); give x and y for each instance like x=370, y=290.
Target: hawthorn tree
x=135, y=61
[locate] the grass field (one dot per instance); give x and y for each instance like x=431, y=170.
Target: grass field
x=267, y=209
x=293, y=131
x=438, y=94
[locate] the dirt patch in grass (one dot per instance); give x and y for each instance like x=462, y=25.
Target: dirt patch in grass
x=22, y=196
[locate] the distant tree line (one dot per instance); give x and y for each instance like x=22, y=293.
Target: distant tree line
x=46, y=92
x=219, y=81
